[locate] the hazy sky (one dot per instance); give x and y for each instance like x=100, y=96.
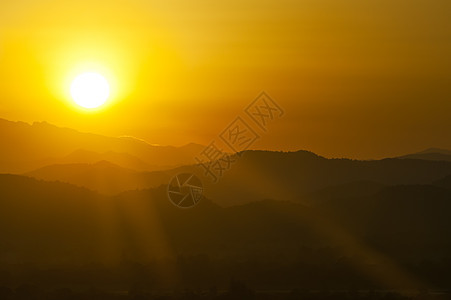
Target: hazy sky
x=361, y=79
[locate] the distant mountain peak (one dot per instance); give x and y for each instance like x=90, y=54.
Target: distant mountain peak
x=430, y=154
x=435, y=150
x=29, y=146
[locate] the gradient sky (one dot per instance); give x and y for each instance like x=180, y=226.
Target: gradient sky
x=359, y=79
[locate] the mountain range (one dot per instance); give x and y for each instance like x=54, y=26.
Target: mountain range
x=258, y=175
x=26, y=147
x=278, y=217
x=114, y=165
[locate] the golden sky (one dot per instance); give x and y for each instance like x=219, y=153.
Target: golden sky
x=362, y=79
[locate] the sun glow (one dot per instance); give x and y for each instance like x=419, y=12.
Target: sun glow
x=90, y=90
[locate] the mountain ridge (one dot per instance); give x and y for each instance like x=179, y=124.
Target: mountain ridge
x=29, y=146
x=260, y=175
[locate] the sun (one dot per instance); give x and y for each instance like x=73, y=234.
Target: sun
x=90, y=90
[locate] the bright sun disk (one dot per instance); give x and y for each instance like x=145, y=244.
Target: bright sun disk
x=90, y=90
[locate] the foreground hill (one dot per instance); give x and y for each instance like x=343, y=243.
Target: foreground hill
x=26, y=147
x=57, y=224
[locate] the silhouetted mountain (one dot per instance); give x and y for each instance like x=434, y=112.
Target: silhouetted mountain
x=47, y=221
x=123, y=160
x=416, y=212
x=291, y=176
x=102, y=176
x=430, y=154
x=436, y=150
x=257, y=175
x=254, y=176
x=347, y=190
x=56, y=223
x=27, y=147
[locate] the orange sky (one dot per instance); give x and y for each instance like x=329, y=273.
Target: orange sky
x=362, y=79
